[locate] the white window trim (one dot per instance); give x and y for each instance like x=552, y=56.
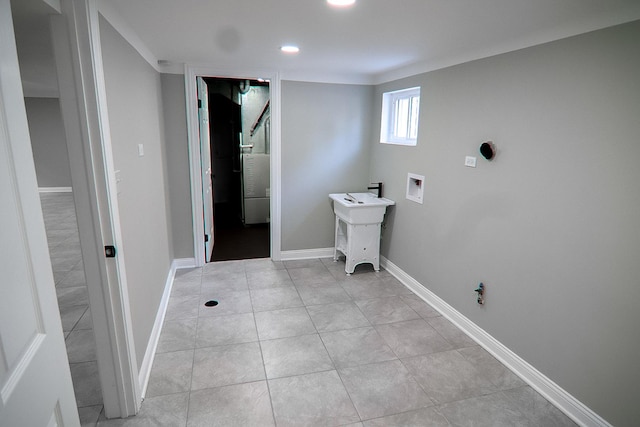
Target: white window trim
x=388, y=114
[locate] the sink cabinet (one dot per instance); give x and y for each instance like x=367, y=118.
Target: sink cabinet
x=357, y=228
x=360, y=243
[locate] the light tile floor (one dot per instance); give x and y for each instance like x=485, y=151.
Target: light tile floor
x=300, y=343
x=71, y=287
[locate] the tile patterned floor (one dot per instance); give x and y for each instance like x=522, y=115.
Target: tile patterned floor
x=71, y=287
x=300, y=343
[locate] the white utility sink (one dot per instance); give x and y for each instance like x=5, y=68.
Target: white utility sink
x=358, y=222
x=360, y=208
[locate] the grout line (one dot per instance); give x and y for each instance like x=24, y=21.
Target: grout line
x=349, y=395
x=264, y=366
x=193, y=357
x=334, y=365
x=299, y=375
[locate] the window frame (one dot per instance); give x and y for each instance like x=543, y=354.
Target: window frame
x=390, y=112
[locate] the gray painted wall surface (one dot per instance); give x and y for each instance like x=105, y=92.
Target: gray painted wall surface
x=551, y=225
x=48, y=142
x=135, y=117
x=325, y=149
x=175, y=125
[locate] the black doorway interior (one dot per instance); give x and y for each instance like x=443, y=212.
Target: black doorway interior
x=230, y=118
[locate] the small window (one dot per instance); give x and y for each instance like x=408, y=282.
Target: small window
x=400, y=110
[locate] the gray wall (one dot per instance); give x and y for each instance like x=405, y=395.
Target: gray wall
x=177, y=148
x=135, y=117
x=325, y=149
x=48, y=142
x=551, y=225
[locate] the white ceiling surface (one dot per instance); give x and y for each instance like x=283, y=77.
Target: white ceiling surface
x=371, y=42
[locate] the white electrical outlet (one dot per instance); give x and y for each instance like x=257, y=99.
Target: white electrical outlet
x=470, y=161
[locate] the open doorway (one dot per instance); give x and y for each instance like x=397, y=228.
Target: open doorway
x=200, y=196
x=240, y=150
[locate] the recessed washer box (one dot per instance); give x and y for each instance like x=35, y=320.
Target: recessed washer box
x=415, y=187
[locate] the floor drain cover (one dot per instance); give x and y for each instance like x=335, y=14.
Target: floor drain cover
x=211, y=303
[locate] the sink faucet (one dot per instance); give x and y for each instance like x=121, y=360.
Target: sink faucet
x=377, y=187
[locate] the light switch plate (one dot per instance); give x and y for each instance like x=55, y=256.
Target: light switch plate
x=140, y=150
x=118, y=181
x=470, y=161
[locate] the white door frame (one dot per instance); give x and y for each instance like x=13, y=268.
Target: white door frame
x=77, y=47
x=195, y=168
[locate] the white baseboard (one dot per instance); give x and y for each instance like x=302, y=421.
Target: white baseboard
x=152, y=344
x=55, y=190
x=559, y=397
x=184, y=263
x=306, y=254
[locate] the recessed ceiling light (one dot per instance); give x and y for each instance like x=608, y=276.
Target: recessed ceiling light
x=290, y=49
x=341, y=3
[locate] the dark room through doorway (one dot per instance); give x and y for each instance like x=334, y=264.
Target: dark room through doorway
x=239, y=128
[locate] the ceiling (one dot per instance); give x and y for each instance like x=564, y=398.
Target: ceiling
x=374, y=40
x=371, y=42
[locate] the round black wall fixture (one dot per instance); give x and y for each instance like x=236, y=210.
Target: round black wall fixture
x=211, y=303
x=487, y=150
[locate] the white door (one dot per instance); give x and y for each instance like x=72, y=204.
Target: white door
x=205, y=157
x=35, y=381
